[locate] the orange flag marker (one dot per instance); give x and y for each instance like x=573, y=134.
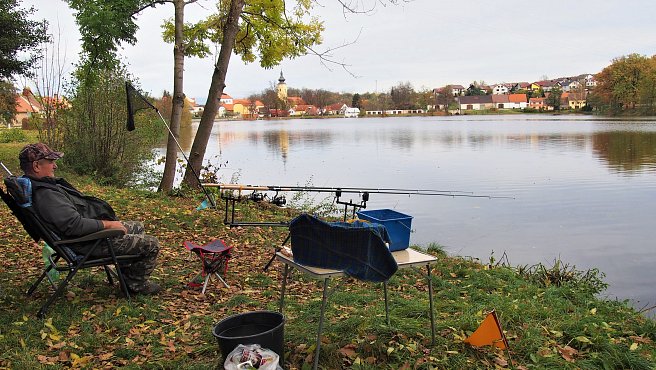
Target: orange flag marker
x=489, y=333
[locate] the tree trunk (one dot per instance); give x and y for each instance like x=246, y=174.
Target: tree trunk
x=217, y=85
x=166, y=185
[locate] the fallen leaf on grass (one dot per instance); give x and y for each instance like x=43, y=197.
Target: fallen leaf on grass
x=583, y=339
x=501, y=361
x=106, y=356
x=640, y=339
x=347, y=351
x=54, y=346
x=46, y=360
x=568, y=353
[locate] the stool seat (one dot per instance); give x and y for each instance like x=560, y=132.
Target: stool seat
x=214, y=257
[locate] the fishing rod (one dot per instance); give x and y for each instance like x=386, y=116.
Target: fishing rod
x=353, y=190
x=232, y=193
x=143, y=103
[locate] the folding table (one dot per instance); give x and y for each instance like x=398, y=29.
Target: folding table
x=404, y=259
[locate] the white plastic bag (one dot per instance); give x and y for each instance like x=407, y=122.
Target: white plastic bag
x=251, y=356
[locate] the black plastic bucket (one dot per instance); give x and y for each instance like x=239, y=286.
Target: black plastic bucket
x=265, y=328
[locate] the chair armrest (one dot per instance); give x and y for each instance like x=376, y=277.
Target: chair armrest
x=102, y=234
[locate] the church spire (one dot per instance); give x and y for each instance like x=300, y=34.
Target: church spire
x=281, y=79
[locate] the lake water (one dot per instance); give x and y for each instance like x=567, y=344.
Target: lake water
x=584, y=188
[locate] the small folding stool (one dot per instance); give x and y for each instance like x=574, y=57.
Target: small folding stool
x=215, y=257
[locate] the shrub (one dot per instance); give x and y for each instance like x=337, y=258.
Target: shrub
x=12, y=136
x=96, y=141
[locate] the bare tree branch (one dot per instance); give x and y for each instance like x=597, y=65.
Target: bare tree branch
x=325, y=56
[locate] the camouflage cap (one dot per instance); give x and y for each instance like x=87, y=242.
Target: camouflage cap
x=38, y=151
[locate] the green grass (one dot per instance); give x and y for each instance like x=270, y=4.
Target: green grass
x=550, y=314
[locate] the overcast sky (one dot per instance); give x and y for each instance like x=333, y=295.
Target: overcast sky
x=429, y=43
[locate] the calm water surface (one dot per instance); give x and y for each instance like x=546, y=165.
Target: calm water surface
x=584, y=188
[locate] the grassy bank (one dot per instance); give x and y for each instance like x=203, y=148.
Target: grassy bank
x=551, y=319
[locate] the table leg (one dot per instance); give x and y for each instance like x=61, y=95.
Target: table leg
x=284, y=286
x=430, y=304
x=386, y=304
x=323, y=311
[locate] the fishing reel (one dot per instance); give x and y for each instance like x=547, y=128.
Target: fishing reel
x=256, y=196
x=279, y=200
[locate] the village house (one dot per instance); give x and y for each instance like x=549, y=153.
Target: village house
x=475, y=102
x=456, y=90
x=546, y=85
x=335, y=109
x=522, y=86
x=500, y=89
x=577, y=100
x=293, y=101
x=303, y=110
x=247, y=108
x=537, y=103
x=27, y=106
x=517, y=101
x=225, y=105
x=590, y=80
x=500, y=101
x=195, y=108
x=393, y=112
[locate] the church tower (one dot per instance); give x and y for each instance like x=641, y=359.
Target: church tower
x=282, y=88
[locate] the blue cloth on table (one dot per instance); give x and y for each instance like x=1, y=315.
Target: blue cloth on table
x=357, y=248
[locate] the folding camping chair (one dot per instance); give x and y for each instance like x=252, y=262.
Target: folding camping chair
x=214, y=258
x=18, y=199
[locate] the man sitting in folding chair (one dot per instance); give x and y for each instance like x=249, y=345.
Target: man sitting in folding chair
x=69, y=213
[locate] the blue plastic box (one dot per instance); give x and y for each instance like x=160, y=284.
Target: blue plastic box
x=396, y=223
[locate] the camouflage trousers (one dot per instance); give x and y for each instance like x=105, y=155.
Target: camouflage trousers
x=134, y=242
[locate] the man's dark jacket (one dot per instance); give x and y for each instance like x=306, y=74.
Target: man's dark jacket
x=65, y=210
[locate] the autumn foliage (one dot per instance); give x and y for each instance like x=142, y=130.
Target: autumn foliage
x=627, y=86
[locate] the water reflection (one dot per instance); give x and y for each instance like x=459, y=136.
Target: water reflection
x=620, y=151
x=626, y=151
x=186, y=137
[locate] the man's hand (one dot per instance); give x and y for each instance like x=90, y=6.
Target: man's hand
x=114, y=225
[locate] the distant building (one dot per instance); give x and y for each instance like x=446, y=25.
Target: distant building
x=27, y=106
x=475, y=102
x=335, y=109
x=352, y=112
x=500, y=101
x=456, y=90
x=226, y=104
x=537, y=103
x=517, y=101
x=281, y=88
x=303, y=110
x=500, y=89
x=577, y=100
x=293, y=101
x=195, y=108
